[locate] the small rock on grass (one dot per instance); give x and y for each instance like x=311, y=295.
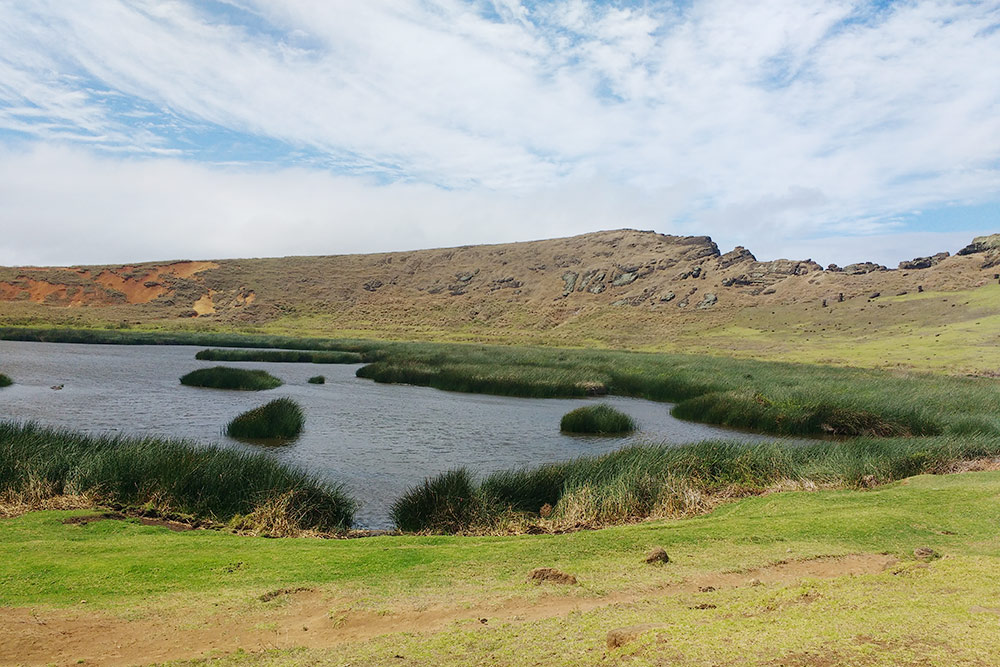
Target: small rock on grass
x=925, y=553
x=540, y=574
x=621, y=636
x=657, y=555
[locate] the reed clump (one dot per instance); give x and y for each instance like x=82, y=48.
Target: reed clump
x=223, y=377
x=286, y=356
x=317, y=379
x=210, y=482
x=597, y=420
x=281, y=418
x=5, y=380
x=654, y=481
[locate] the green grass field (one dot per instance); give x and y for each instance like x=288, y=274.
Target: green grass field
x=943, y=611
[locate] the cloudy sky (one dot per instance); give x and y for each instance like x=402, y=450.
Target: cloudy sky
x=832, y=129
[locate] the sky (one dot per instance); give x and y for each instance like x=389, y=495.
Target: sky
x=835, y=130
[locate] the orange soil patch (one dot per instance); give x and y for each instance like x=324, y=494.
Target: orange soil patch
x=136, y=290
x=204, y=305
x=185, y=269
x=314, y=619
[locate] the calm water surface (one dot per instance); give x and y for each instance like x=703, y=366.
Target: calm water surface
x=376, y=439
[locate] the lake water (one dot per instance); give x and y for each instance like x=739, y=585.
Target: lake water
x=376, y=439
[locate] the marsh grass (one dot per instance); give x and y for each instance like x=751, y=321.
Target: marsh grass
x=287, y=356
x=5, y=381
x=281, y=418
x=216, y=483
x=598, y=420
x=223, y=377
x=317, y=379
x=770, y=397
x=650, y=481
x=446, y=503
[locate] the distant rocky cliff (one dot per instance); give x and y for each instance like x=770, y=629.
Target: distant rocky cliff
x=546, y=283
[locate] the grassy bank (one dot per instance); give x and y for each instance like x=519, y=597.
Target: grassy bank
x=423, y=598
x=206, y=482
x=281, y=418
x=288, y=356
x=651, y=481
x=131, y=337
x=771, y=397
x=787, y=399
x=222, y=377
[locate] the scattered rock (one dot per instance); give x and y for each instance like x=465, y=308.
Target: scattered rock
x=569, y=278
x=755, y=582
x=704, y=605
x=834, y=268
x=273, y=595
x=657, y=555
x=57, y=387
x=862, y=268
x=669, y=296
x=373, y=285
x=925, y=553
x=625, y=279
x=621, y=636
x=540, y=574
x=708, y=301
x=874, y=295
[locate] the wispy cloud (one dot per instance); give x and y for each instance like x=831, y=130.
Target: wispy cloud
x=763, y=122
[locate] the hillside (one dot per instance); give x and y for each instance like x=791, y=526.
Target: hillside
x=621, y=288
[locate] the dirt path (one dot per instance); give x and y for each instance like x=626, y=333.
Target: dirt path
x=312, y=619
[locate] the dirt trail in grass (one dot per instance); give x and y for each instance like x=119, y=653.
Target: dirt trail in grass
x=313, y=619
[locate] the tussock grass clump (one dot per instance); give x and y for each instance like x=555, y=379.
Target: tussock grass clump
x=597, y=419
x=443, y=504
x=288, y=356
x=317, y=379
x=217, y=483
x=281, y=418
x=652, y=481
x=223, y=377
x=5, y=381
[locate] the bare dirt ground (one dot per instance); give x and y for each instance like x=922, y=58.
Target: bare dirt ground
x=314, y=619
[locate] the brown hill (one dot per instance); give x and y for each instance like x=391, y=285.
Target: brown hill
x=620, y=288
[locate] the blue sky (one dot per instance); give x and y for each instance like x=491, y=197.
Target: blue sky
x=832, y=129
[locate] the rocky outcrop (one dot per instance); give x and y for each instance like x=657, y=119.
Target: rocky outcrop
x=862, y=268
x=981, y=244
x=989, y=246
x=735, y=256
x=924, y=262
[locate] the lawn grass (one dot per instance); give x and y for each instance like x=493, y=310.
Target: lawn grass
x=210, y=482
x=223, y=377
x=287, y=356
x=5, y=380
x=911, y=613
x=649, y=481
x=598, y=420
x=281, y=418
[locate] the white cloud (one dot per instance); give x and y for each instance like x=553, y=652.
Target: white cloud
x=765, y=121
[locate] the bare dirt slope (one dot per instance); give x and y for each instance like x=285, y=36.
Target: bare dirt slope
x=624, y=288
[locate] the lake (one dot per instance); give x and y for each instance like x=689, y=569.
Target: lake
x=378, y=440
